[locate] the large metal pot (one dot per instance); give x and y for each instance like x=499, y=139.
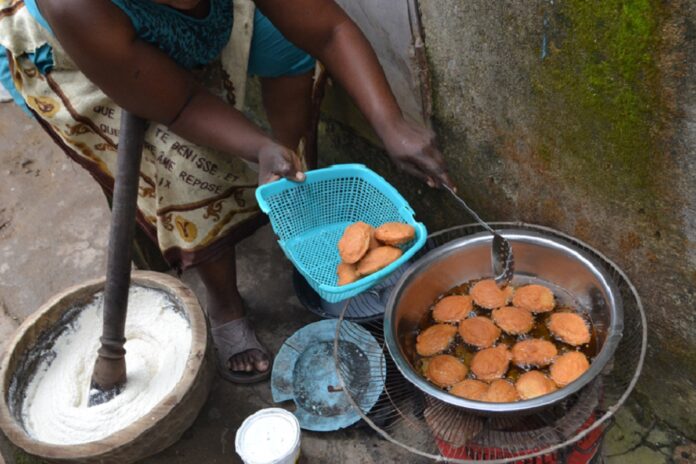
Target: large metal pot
x=538, y=257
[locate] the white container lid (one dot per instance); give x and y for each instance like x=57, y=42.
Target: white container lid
x=269, y=436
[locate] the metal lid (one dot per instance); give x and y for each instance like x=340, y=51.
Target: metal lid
x=304, y=371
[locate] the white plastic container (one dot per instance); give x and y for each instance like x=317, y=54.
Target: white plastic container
x=269, y=436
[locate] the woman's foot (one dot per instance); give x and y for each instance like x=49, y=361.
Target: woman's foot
x=240, y=354
x=241, y=357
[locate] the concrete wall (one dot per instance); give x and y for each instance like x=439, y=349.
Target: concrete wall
x=394, y=32
x=579, y=115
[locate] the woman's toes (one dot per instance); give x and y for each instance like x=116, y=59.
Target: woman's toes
x=242, y=364
x=249, y=361
x=252, y=361
x=236, y=363
x=261, y=363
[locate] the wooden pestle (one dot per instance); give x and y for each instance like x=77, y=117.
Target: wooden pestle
x=109, y=375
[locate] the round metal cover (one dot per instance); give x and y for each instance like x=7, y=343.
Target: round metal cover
x=304, y=371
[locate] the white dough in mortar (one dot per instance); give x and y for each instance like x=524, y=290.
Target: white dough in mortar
x=157, y=347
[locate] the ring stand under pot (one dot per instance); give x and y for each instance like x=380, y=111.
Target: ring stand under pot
x=571, y=430
x=161, y=427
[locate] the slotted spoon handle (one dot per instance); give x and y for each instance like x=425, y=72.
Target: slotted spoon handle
x=501, y=251
x=469, y=210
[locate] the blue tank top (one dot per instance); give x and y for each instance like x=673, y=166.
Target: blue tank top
x=189, y=41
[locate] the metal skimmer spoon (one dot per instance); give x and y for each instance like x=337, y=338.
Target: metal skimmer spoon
x=501, y=251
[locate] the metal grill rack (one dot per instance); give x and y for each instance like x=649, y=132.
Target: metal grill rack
x=429, y=428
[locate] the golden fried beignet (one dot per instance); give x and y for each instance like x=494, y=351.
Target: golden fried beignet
x=435, y=339
x=534, y=383
x=373, y=240
x=487, y=294
x=395, y=233
x=491, y=363
x=534, y=298
x=377, y=259
x=568, y=367
x=355, y=242
x=501, y=391
x=513, y=320
x=452, y=308
x=445, y=370
x=347, y=274
x=569, y=328
x=533, y=352
x=479, y=331
x=470, y=389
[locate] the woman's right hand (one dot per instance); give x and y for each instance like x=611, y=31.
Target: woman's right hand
x=276, y=161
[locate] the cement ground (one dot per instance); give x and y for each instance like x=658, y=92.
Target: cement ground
x=53, y=234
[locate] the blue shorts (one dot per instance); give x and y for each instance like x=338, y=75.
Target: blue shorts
x=272, y=55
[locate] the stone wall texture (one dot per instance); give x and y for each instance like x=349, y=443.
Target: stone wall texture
x=579, y=115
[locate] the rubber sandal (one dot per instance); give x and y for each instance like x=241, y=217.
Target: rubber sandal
x=233, y=338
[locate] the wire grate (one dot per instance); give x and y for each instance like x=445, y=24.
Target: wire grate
x=430, y=428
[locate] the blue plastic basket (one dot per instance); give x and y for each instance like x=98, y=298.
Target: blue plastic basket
x=310, y=217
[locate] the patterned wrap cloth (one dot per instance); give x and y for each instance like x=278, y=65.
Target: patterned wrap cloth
x=192, y=200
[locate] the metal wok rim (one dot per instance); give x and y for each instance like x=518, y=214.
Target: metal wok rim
x=614, y=330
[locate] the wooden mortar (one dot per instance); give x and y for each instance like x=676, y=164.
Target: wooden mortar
x=152, y=433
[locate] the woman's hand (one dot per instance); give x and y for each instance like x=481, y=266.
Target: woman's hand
x=276, y=161
x=412, y=148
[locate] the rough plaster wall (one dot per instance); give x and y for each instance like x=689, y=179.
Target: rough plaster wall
x=686, y=141
x=388, y=27
x=597, y=139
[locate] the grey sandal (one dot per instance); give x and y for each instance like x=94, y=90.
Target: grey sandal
x=233, y=338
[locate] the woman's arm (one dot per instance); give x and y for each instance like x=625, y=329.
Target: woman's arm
x=139, y=77
x=324, y=30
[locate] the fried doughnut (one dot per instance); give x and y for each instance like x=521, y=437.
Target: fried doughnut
x=568, y=367
x=513, y=320
x=534, y=383
x=491, y=363
x=470, y=389
x=395, y=233
x=508, y=291
x=452, y=308
x=479, y=331
x=501, y=391
x=534, y=298
x=373, y=240
x=569, y=328
x=377, y=259
x=435, y=339
x=354, y=243
x=445, y=370
x=346, y=274
x=533, y=352
x=487, y=294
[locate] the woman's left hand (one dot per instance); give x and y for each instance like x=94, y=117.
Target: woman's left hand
x=276, y=161
x=413, y=149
